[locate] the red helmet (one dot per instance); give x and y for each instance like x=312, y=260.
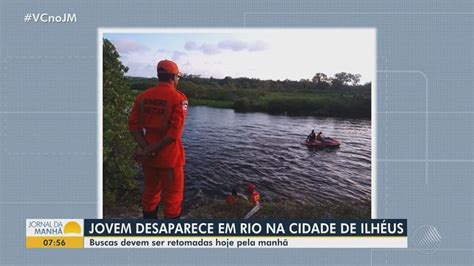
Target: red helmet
x=251, y=187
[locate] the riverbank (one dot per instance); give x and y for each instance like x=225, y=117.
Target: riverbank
x=211, y=103
x=295, y=105
x=217, y=209
x=283, y=210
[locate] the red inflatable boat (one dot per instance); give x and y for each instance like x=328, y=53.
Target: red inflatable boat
x=326, y=143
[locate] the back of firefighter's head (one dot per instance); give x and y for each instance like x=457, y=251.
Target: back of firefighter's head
x=168, y=72
x=251, y=187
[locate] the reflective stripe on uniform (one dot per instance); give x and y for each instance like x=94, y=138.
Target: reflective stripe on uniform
x=171, y=175
x=142, y=111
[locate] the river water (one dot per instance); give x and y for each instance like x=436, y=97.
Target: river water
x=226, y=149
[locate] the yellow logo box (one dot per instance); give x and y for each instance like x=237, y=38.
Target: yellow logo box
x=54, y=233
x=54, y=242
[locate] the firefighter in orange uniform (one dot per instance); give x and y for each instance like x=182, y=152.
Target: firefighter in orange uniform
x=156, y=123
x=254, y=196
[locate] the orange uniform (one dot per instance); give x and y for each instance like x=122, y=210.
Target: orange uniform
x=160, y=111
x=254, y=197
x=230, y=199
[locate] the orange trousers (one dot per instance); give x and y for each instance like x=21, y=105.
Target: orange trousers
x=166, y=185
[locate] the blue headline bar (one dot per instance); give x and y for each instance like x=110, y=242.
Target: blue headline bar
x=122, y=227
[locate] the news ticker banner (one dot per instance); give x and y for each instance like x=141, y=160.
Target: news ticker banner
x=115, y=233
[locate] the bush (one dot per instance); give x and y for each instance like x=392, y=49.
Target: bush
x=119, y=170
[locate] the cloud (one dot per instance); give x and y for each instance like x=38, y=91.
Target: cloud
x=231, y=45
x=177, y=54
x=258, y=46
x=190, y=46
x=209, y=48
x=125, y=46
x=234, y=45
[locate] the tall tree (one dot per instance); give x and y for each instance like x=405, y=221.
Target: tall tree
x=318, y=77
x=347, y=78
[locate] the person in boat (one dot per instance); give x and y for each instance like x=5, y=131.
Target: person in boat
x=320, y=136
x=312, y=136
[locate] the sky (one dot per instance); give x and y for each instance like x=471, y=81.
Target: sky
x=259, y=53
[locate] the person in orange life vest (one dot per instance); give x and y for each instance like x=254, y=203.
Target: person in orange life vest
x=156, y=123
x=254, y=196
x=234, y=197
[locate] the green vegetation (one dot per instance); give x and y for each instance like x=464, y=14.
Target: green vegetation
x=119, y=169
x=336, y=97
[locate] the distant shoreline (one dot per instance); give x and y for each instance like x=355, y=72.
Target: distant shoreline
x=230, y=105
x=293, y=98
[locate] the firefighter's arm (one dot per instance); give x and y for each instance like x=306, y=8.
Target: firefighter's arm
x=174, y=131
x=139, y=137
x=135, y=124
x=154, y=147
